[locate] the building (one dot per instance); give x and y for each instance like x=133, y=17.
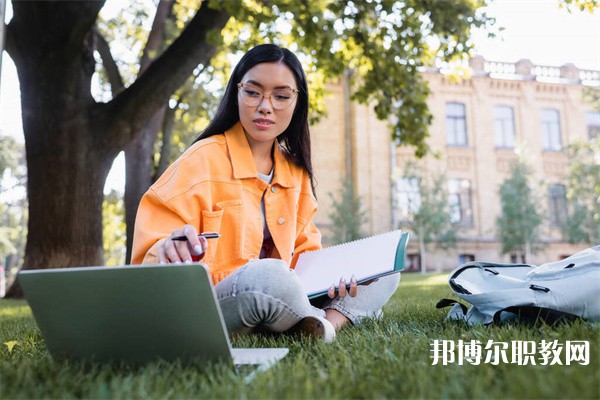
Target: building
x=480, y=125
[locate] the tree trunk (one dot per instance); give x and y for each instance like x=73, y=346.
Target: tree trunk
x=64, y=188
x=66, y=162
x=422, y=250
x=167, y=142
x=65, y=203
x=70, y=191
x=139, y=172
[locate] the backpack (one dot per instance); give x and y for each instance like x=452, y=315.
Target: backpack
x=564, y=290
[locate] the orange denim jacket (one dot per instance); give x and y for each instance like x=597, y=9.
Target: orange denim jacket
x=214, y=186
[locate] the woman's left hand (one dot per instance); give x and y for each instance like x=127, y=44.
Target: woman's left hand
x=342, y=290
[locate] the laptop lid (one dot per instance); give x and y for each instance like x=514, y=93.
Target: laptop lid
x=133, y=314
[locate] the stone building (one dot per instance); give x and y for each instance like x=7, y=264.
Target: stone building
x=480, y=126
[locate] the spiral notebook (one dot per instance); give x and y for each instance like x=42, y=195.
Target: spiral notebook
x=366, y=259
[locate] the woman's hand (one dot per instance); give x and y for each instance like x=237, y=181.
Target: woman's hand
x=342, y=290
x=178, y=251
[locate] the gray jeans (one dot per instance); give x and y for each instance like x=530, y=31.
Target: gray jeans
x=266, y=295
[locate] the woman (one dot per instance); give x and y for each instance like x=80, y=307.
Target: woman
x=249, y=177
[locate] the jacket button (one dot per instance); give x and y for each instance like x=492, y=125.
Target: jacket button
x=281, y=220
x=273, y=189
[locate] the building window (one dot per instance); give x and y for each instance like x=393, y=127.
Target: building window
x=557, y=198
x=504, y=126
x=465, y=258
x=456, y=124
x=551, y=130
x=408, y=199
x=514, y=258
x=459, y=199
x=592, y=121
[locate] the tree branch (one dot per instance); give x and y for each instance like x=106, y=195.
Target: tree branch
x=156, y=33
x=167, y=142
x=136, y=104
x=108, y=62
x=153, y=43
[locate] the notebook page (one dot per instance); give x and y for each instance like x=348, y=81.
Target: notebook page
x=363, y=258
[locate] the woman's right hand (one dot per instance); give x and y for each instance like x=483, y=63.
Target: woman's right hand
x=181, y=251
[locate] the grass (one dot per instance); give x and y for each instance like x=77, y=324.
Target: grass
x=389, y=358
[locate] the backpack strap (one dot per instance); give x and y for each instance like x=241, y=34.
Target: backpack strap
x=449, y=302
x=547, y=315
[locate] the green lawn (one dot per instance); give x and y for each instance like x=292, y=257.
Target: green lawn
x=384, y=359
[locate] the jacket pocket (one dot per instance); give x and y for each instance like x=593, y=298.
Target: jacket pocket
x=226, y=219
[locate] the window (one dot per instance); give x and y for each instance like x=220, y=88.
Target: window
x=465, y=258
x=514, y=258
x=551, y=130
x=456, y=124
x=459, y=199
x=557, y=198
x=408, y=199
x=504, y=126
x=592, y=121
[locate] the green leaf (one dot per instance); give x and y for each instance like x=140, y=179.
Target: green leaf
x=11, y=345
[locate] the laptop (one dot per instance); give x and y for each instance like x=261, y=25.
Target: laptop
x=135, y=314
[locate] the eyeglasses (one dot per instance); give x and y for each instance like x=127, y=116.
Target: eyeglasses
x=280, y=98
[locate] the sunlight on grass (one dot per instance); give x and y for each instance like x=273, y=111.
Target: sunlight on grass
x=417, y=279
x=14, y=309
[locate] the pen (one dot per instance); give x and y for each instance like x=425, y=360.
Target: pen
x=206, y=235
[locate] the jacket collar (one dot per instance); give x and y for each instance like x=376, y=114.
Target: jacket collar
x=242, y=160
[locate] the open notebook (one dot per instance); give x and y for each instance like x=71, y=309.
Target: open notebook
x=366, y=259
x=134, y=314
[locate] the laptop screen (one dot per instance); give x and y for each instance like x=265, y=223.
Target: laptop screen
x=129, y=313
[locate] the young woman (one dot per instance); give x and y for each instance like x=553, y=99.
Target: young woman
x=249, y=177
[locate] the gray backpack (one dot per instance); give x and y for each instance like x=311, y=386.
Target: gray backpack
x=562, y=290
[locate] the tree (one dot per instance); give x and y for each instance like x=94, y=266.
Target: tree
x=583, y=220
x=72, y=139
x=430, y=216
x=347, y=215
x=520, y=218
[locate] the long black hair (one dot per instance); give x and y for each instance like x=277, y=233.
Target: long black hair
x=296, y=138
